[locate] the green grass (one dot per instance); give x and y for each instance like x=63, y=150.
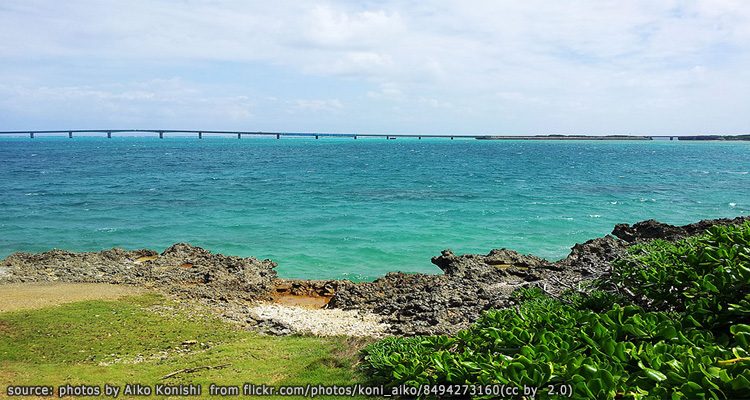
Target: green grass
x=66, y=344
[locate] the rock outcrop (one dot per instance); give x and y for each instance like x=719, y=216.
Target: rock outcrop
x=184, y=270
x=422, y=304
x=593, y=258
x=652, y=229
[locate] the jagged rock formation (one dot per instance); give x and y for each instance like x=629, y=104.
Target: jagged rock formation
x=421, y=304
x=182, y=269
x=594, y=257
x=652, y=229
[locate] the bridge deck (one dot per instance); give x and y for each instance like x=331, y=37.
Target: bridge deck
x=317, y=135
x=239, y=134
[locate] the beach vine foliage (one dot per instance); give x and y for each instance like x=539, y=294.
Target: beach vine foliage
x=681, y=333
x=706, y=277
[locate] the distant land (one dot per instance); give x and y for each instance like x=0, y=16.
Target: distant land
x=618, y=137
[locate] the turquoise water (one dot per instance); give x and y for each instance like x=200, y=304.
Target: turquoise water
x=334, y=208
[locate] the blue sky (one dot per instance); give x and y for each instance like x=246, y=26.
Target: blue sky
x=445, y=67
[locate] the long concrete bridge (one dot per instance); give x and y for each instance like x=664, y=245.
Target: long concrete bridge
x=317, y=135
x=238, y=134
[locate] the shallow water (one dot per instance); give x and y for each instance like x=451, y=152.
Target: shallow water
x=334, y=208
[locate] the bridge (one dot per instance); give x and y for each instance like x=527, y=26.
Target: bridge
x=239, y=134
x=317, y=135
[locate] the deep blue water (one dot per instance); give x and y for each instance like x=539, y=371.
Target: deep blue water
x=335, y=208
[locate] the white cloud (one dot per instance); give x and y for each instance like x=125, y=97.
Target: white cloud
x=318, y=105
x=334, y=28
x=387, y=90
x=156, y=102
x=524, y=67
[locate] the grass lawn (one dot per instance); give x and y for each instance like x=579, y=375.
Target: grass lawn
x=140, y=339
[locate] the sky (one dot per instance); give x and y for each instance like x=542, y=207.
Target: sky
x=434, y=67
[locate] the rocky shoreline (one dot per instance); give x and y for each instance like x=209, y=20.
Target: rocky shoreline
x=247, y=290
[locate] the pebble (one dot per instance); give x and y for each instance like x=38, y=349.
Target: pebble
x=319, y=322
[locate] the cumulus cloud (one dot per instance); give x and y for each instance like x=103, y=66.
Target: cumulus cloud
x=535, y=66
x=151, y=103
x=318, y=105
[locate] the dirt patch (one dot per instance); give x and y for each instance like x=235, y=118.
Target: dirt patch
x=301, y=301
x=25, y=296
x=5, y=328
x=303, y=293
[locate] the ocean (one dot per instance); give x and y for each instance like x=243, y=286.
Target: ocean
x=355, y=209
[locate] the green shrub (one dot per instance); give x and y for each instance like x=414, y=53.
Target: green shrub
x=624, y=352
x=595, y=300
x=688, y=336
x=707, y=276
x=527, y=293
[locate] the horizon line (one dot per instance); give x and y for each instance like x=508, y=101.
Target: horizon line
x=351, y=134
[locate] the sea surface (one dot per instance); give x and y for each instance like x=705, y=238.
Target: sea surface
x=356, y=209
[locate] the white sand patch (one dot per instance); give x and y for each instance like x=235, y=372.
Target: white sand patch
x=321, y=322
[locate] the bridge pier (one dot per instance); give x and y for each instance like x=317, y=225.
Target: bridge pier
x=31, y=135
x=70, y=135
x=278, y=136
x=161, y=135
x=109, y=135
x=200, y=135
x=355, y=137
x=239, y=136
x=316, y=136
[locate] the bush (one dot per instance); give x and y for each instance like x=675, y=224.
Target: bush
x=687, y=337
x=595, y=300
x=707, y=276
x=624, y=352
